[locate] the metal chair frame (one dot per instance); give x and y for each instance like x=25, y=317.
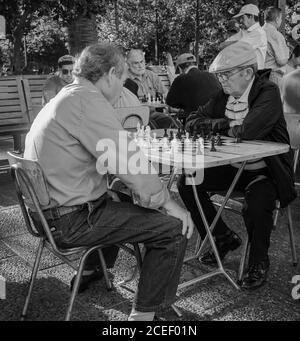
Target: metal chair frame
x=238, y=198
x=22, y=180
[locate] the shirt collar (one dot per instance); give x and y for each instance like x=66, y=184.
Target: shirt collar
x=253, y=27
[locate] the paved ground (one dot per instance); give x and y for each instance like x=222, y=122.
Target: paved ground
x=212, y=300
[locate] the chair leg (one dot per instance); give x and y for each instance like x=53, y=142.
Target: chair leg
x=292, y=238
x=104, y=269
x=138, y=256
x=243, y=261
x=33, y=277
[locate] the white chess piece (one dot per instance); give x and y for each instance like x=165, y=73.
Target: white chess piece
x=155, y=142
x=200, y=149
x=187, y=143
x=174, y=145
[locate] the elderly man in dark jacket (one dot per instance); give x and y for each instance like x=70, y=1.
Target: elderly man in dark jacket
x=249, y=107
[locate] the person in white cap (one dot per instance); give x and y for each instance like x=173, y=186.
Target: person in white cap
x=250, y=108
x=192, y=87
x=251, y=33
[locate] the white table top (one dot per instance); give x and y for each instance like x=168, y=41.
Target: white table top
x=228, y=153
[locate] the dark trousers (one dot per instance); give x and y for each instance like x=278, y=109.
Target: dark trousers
x=109, y=222
x=260, y=201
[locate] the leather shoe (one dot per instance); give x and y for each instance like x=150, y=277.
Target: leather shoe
x=256, y=275
x=86, y=280
x=229, y=241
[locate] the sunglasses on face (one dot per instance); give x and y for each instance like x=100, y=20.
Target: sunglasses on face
x=66, y=71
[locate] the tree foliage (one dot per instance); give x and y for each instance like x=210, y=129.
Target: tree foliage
x=154, y=25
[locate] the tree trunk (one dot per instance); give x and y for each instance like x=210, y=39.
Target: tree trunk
x=17, y=50
x=81, y=33
x=17, y=41
x=197, y=33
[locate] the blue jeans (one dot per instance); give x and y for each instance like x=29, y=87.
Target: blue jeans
x=109, y=222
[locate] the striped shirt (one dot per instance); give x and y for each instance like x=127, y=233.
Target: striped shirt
x=236, y=110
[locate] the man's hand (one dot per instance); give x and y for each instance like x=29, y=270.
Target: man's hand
x=174, y=210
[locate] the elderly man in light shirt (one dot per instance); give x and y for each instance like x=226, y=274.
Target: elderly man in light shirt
x=251, y=33
x=277, y=52
x=69, y=139
x=248, y=107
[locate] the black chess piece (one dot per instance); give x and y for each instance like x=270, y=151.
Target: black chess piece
x=166, y=132
x=178, y=135
x=213, y=141
x=171, y=137
x=218, y=140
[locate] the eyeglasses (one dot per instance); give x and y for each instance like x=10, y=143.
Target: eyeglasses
x=66, y=71
x=224, y=76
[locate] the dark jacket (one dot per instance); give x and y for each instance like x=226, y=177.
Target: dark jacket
x=264, y=121
x=189, y=91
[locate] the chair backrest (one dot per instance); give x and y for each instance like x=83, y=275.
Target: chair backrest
x=131, y=116
x=13, y=109
x=33, y=89
x=32, y=191
x=293, y=126
x=36, y=176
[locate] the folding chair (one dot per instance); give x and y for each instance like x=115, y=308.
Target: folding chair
x=32, y=192
x=131, y=116
x=293, y=125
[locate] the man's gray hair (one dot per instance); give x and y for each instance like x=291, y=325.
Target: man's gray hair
x=96, y=60
x=135, y=51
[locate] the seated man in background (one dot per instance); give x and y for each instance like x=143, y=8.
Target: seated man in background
x=192, y=87
x=251, y=108
x=148, y=84
x=64, y=138
x=64, y=77
x=277, y=52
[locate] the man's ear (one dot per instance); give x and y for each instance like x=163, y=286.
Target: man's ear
x=249, y=73
x=110, y=75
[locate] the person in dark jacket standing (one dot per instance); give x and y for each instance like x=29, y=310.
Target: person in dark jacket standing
x=192, y=87
x=249, y=107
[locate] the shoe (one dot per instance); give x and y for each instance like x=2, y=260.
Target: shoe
x=229, y=241
x=256, y=275
x=85, y=281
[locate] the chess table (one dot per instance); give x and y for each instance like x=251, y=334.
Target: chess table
x=228, y=153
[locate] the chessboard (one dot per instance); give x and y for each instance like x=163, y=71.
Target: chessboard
x=154, y=102
x=175, y=146
x=165, y=139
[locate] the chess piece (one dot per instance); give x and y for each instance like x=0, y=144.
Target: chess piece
x=174, y=145
x=166, y=132
x=213, y=141
x=238, y=139
x=200, y=149
x=155, y=142
x=218, y=140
